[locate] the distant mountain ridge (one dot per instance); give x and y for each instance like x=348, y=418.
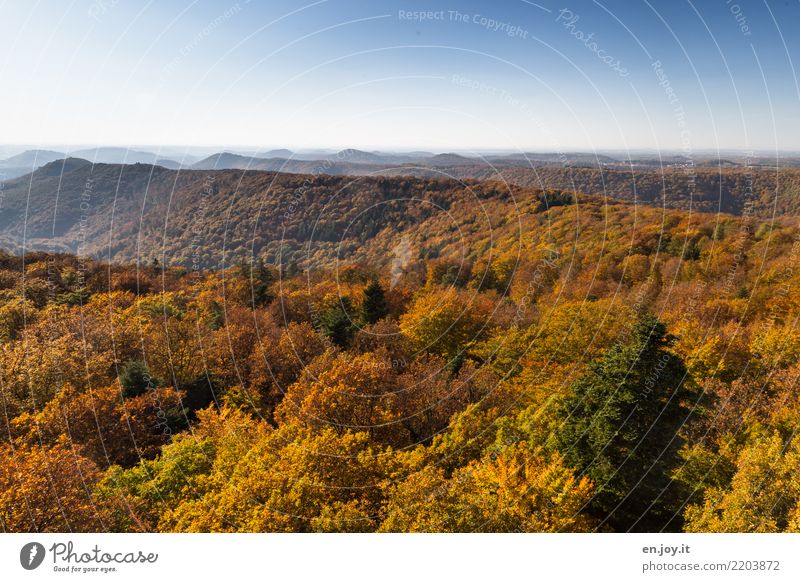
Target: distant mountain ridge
x=26, y=162
x=30, y=160
x=33, y=158
x=360, y=162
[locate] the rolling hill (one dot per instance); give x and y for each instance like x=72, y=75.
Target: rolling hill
x=26, y=162
x=210, y=218
x=709, y=186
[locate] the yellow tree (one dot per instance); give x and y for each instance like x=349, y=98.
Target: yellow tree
x=447, y=322
x=47, y=489
x=109, y=428
x=762, y=496
x=238, y=474
x=516, y=490
x=348, y=393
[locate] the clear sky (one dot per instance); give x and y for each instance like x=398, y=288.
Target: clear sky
x=506, y=74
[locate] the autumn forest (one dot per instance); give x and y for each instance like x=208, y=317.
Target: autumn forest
x=289, y=353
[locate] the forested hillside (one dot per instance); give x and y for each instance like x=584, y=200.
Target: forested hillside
x=468, y=359
x=729, y=190
x=762, y=191
x=139, y=212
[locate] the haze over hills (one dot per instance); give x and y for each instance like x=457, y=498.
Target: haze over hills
x=343, y=161
x=366, y=161
x=33, y=158
x=29, y=160
x=123, y=156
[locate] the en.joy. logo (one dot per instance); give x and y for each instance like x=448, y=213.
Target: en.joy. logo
x=31, y=555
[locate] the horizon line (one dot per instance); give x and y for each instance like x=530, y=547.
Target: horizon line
x=217, y=148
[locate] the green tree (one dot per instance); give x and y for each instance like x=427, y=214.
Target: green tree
x=374, y=306
x=261, y=279
x=216, y=315
x=336, y=322
x=136, y=379
x=621, y=428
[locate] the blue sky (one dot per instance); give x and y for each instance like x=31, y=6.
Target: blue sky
x=510, y=75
